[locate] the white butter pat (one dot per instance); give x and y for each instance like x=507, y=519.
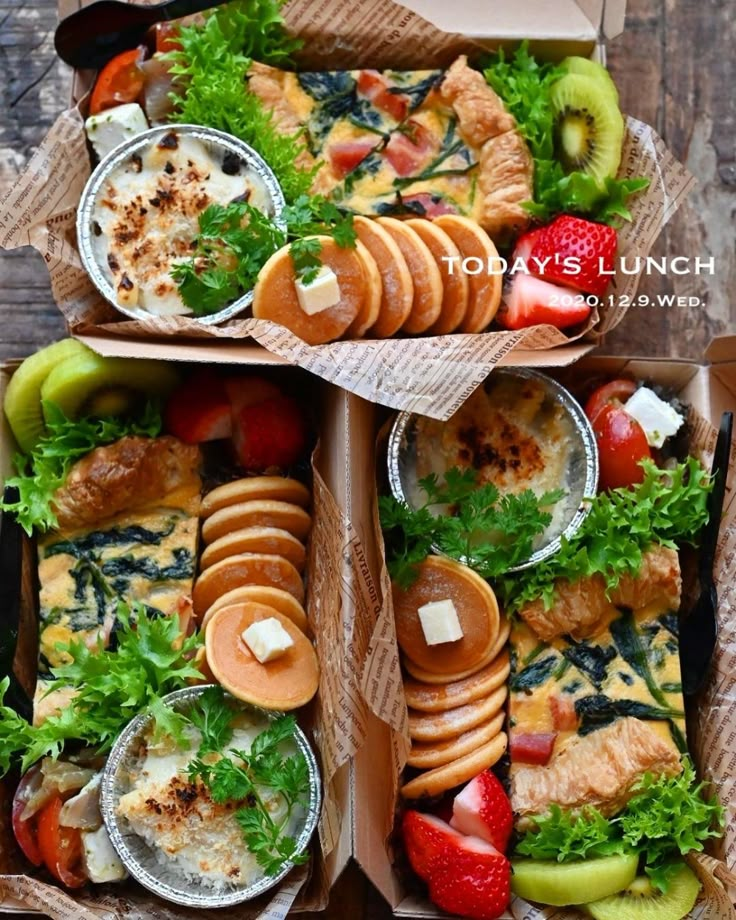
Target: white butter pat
x=110, y=128
x=100, y=859
x=440, y=623
x=658, y=419
x=320, y=294
x=267, y=639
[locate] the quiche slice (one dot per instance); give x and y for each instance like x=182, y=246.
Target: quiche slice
x=425, y=142
x=128, y=528
x=589, y=716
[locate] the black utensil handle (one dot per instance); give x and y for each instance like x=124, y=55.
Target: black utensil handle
x=177, y=9
x=719, y=471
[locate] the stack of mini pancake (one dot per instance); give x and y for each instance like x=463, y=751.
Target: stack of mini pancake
x=402, y=276
x=455, y=691
x=254, y=531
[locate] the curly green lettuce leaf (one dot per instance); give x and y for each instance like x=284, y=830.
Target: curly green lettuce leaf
x=153, y=658
x=667, y=818
x=45, y=469
x=212, y=83
x=524, y=85
x=668, y=507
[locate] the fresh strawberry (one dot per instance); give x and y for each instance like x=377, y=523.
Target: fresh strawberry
x=427, y=840
x=199, y=410
x=473, y=880
x=525, y=246
x=529, y=301
x=483, y=810
x=271, y=433
x=578, y=252
x=245, y=391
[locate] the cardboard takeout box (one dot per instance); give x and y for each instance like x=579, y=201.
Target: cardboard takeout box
x=328, y=716
x=422, y=374
x=708, y=389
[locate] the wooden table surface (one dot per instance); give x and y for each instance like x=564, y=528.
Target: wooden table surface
x=674, y=69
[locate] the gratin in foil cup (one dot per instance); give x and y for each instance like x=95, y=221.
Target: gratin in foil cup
x=219, y=145
x=142, y=861
x=582, y=470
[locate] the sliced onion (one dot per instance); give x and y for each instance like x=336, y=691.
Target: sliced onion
x=83, y=809
x=59, y=778
x=159, y=84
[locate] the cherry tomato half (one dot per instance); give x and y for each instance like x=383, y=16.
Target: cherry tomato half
x=60, y=846
x=25, y=828
x=622, y=444
x=616, y=392
x=120, y=80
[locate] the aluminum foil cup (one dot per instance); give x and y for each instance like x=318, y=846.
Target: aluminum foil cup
x=582, y=465
x=219, y=145
x=142, y=861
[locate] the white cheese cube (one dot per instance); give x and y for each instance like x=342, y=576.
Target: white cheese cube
x=440, y=622
x=658, y=419
x=110, y=128
x=267, y=639
x=320, y=294
x=100, y=859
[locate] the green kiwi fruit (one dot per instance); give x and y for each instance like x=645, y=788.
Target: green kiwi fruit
x=642, y=901
x=559, y=884
x=23, y=394
x=81, y=385
x=595, y=71
x=589, y=128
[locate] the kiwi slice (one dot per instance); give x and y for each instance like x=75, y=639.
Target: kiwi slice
x=559, y=884
x=589, y=128
x=642, y=901
x=81, y=385
x=595, y=71
x=23, y=394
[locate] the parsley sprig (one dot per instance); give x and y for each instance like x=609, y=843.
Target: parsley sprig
x=236, y=240
x=242, y=779
x=668, y=507
x=668, y=817
x=152, y=658
x=488, y=531
x=45, y=469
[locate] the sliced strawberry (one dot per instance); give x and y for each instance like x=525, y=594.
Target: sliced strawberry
x=483, y=810
x=524, y=247
x=245, y=391
x=564, y=717
x=531, y=747
x=376, y=88
x=579, y=253
x=271, y=433
x=345, y=156
x=530, y=301
x=473, y=880
x=427, y=840
x=408, y=150
x=199, y=410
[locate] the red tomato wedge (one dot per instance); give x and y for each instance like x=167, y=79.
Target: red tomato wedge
x=373, y=86
x=616, y=392
x=25, y=829
x=346, y=155
x=622, y=444
x=531, y=747
x=407, y=150
x=167, y=37
x=60, y=846
x=121, y=80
